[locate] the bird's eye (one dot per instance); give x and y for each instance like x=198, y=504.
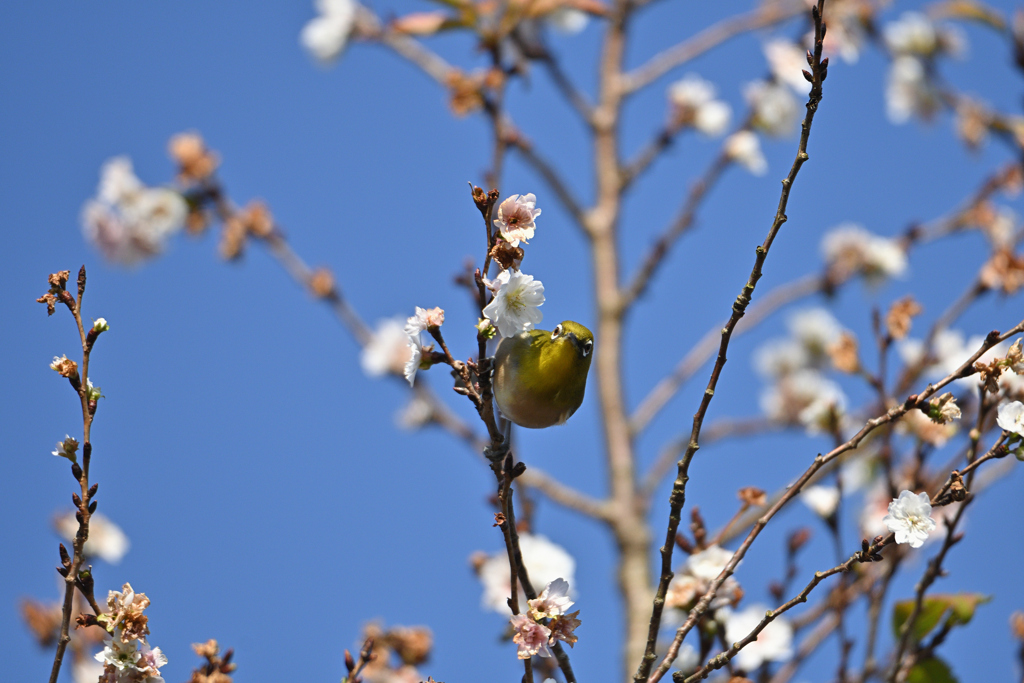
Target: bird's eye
x=588, y=346
x=557, y=332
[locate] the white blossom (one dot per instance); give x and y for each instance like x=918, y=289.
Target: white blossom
x=514, y=308
x=688, y=659
x=781, y=356
x=695, y=103
x=325, y=35
x=567, y=20
x=128, y=221
x=787, y=61
x=773, y=644
x=744, y=148
x=552, y=602
x=134, y=661
x=1011, y=417
x=816, y=329
x=700, y=569
x=388, y=349
x=910, y=518
x=776, y=111
x=516, y=218
x=909, y=91
x=852, y=249
x=845, y=30
x=915, y=34
x=950, y=350
x=822, y=500
x=86, y=671
x=876, y=507
x=545, y=562
x=106, y=540
x=708, y=563
x=805, y=397
x=413, y=364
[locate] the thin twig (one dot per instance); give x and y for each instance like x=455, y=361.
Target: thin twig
x=818, y=73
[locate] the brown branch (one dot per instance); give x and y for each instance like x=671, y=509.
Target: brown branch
x=71, y=566
x=707, y=39
x=820, y=461
x=868, y=553
x=371, y=28
x=818, y=73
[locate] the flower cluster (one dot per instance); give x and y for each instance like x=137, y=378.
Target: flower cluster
x=744, y=148
x=128, y=221
x=915, y=41
x=773, y=644
x=701, y=568
x=548, y=620
x=775, y=109
x=544, y=561
x=851, y=250
x=694, y=104
x=517, y=296
x=800, y=392
x=126, y=656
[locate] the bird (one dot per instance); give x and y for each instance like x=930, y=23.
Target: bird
x=540, y=376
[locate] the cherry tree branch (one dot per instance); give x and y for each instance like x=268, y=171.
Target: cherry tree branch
x=818, y=73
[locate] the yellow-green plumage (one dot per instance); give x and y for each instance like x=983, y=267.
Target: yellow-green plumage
x=540, y=376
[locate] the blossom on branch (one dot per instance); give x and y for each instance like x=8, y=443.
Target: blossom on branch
x=531, y=637
x=695, y=105
x=387, y=351
x=851, y=250
x=516, y=218
x=106, y=540
x=545, y=562
x=326, y=35
x=788, y=61
x=128, y=221
x=554, y=601
x=773, y=644
x=822, y=500
x=514, y=306
x=744, y=148
x=909, y=518
x=775, y=109
x=1011, y=418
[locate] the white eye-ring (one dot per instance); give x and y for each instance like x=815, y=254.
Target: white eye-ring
x=557, y=332
x=588, y=346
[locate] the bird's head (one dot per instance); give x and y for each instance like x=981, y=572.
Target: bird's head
x=581, y=339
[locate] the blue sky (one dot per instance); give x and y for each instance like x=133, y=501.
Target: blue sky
x=270, y=499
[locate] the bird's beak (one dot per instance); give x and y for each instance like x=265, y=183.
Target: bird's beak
x=575, y=341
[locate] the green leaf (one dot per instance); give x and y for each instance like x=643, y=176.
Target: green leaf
x=932, y=670
x=956, y=609
x=932, y=611
x=962, y=606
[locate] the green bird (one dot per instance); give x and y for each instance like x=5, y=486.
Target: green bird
x=540, y=376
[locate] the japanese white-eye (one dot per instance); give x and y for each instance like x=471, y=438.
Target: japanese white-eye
x=540, y=376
